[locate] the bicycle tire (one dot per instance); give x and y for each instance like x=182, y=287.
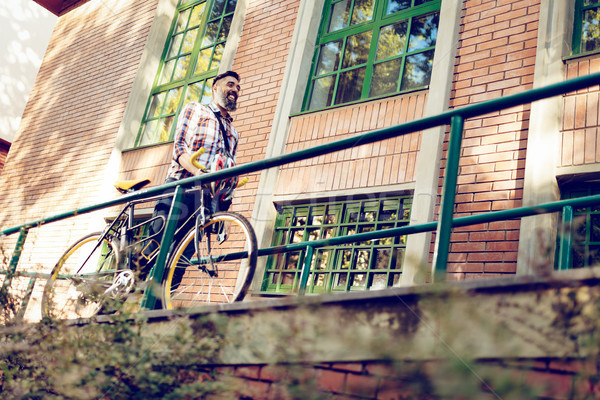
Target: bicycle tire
x=68, y=297
x=187, y=282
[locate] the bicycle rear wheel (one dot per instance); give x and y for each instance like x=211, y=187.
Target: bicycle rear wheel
x=77, y=283
x=221, y=269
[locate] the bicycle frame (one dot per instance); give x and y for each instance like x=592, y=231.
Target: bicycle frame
x=122, y=232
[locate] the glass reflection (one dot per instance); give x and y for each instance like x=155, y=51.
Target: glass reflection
x=363, y=11
x=392, y=39
x=350, y=86
x=423, y=32
x=339, y=15
x=357, y=49
x=417, y=70
x=590, y=39
x=329, y=57
x=322, y=92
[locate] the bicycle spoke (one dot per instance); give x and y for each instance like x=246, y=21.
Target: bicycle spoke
x=215, y=278
x=80, y=278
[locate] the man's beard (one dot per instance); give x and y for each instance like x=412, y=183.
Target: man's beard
x=225, y=102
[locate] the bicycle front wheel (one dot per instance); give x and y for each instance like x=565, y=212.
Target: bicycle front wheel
x=77, y=283
x=218, y=270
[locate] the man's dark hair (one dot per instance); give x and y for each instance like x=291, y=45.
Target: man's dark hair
x=225, y=75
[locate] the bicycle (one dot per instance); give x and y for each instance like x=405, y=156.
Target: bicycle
x=214, y=262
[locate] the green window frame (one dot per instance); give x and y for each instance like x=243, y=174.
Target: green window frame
x=586, y=27
x=189, y=62
x=375, y=264
x=371, y=48
x=578, y=241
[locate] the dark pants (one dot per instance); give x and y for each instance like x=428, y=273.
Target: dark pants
x=189, y=203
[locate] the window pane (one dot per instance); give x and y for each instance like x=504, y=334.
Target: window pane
x=212, y=29
x=595, y=228
x=197, y=13
x=172, y=101
x=382, y=258
x=419, y=2
x=217, y=8
x=379, y=281
x=182, y=20
x=363, y=11
x=590, y=38
x=225, y=26
x=188, y=41
x=230, y=6
x=175, y=46
x=217, y=56
x=165, y=129
x=194, y=92
x=350, y=85
x=357, y=49
x=339, y=15
x=397, y=5
x=203, y=62
x=167, y=72
x=156, y=105
x=322, y=92
x=148, y=133
x=358, y=280
x=329, y=57
x=417, y=70
x=181, y=68
x=385, y=77
x=423, y=32
x=392, y=39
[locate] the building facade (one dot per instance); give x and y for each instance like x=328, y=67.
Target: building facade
x=116, y=74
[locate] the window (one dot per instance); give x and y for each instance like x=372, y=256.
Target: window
x=372, y=48
x=579, y=237
x=586, y=28
x=189, y=62
x=375, y=264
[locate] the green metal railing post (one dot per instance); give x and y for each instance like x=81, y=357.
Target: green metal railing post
x=158, y=269
x=305, y=270
x=444, y=230
x=14, y=261
x=566, y=238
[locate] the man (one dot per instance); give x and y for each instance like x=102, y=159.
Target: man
x=208, y=126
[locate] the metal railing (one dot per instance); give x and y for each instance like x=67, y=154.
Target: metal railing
x=443, y=227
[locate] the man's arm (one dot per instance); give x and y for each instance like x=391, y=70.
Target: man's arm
x=185, y=160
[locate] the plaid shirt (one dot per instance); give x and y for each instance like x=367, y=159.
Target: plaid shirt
x=197, y=126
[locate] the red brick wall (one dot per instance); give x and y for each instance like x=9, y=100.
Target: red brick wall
x=496, y=57
x=580, y=139
x=530, y=378
x=71, y=120
x=387, y=162
x=4, y=147
x=260, y=60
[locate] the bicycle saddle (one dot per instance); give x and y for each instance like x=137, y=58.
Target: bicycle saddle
x=131, y=186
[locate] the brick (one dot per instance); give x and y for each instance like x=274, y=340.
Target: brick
x=331, y=381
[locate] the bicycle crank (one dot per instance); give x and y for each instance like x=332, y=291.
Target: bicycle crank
x=121, y=286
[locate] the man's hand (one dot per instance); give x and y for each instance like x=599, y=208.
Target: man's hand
x=185, y=161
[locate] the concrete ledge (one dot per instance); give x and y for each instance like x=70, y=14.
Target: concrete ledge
x=517, y=317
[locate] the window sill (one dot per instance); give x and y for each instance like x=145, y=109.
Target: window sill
x=590, y=54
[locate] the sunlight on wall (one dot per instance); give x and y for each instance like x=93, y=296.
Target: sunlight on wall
x=25, y=29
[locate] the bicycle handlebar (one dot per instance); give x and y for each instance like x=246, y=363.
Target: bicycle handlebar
x=194, y=159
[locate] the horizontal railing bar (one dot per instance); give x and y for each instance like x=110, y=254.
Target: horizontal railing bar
x=431, y=226
x=342, y=144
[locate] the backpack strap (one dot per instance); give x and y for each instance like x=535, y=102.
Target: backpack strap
x=223, y=132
